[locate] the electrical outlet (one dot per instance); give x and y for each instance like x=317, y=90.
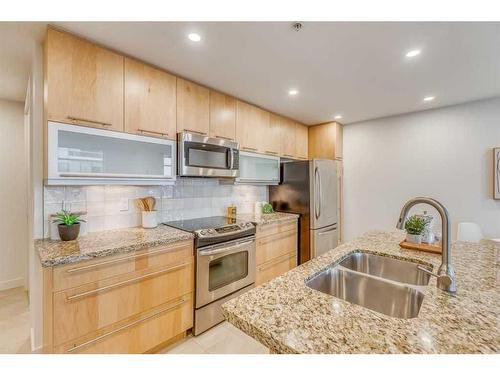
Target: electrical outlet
x=124, y=204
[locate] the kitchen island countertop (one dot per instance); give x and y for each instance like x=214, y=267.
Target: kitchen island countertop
x=288, y=317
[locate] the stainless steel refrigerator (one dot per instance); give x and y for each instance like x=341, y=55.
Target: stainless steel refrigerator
x=309, y=188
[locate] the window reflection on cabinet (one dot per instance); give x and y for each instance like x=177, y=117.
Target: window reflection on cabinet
x=150, y=100
x=193, y=107
x=222, y=116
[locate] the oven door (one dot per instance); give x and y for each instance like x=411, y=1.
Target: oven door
x=203, y=156
x=223, y=269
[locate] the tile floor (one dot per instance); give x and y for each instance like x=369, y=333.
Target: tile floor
x=14, y=321
x=15, y=332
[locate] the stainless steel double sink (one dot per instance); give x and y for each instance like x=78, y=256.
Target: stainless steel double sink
x=380, y=283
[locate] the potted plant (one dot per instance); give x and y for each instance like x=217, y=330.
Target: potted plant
x=68, y=225
x=415, y=226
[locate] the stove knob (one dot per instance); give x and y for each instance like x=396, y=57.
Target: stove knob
x=203, y=232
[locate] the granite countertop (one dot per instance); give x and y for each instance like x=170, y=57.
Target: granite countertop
x=288, y=317
x=105, y=243
x=264, y=219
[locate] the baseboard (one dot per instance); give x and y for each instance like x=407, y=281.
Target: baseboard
x=14, y=283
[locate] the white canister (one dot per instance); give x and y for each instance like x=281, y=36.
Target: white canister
x=257, y=209
x=149, y=219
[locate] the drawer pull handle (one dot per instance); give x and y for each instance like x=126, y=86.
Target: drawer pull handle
x=124, y=259
x=79, y=119
x=99, y=338
x=144, y=131
x=275, y=261
x=249, y=148
x=278, y=237
x=126, y=282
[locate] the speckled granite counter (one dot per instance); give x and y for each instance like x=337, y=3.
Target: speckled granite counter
x=288, y=317
x=100, y=244
x=264, y=219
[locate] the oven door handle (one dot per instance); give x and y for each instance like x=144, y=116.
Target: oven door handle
x=224, y=249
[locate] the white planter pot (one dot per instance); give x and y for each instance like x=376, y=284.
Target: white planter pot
x=414, y=238
x=149, y=219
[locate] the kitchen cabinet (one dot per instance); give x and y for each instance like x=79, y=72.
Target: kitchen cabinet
x=256, y=169
x=129, y=303
x=276, y=250
x=325, y=141
x=301, y=141
x=83, y=82
x=252, y=123
x=193, y=107
x=272, y=136
x=288, y=145
x=222, y=116
x=150, y=100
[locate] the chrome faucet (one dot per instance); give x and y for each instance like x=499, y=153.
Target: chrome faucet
x=445, y=274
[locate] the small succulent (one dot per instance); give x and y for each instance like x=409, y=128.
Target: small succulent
x=416, y=225
x=267, y=208
x=68, y=218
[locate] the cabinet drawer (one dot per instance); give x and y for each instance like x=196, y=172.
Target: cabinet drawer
x=141, y=334
x=73, y=275
x=269, y=229
x=276, y=245
x=80, y=311
x=275, y=267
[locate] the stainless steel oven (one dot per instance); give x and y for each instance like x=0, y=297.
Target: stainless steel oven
x=202, y=156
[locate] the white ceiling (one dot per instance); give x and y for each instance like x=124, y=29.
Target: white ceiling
x=356, y=69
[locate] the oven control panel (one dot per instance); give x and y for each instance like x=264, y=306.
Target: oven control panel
x=225, y=230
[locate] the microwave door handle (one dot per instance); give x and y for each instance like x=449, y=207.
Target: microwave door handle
x=229, y=156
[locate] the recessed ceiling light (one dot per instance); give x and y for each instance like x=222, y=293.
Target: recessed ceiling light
x=293, y=92
x=194, y=37
x=413, y=53
x=429, y=98
x=338, y=117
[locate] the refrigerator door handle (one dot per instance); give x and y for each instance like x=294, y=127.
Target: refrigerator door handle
x=317, y=202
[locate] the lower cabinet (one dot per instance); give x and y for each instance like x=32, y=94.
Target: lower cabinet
x=131, y=303
x=276, y=250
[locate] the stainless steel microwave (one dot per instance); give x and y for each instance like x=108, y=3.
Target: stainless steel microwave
x=202, y=156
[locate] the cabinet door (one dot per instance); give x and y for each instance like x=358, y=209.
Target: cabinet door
x=288, y=143
x=84, y=83
x=301, y=140
x=249, y=121
x=149, y=100
x=272, y=135
x=222, y=116
x=274, y=268
x=193, y=107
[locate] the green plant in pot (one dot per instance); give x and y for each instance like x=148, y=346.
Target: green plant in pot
x=415, y=227
x=68, y=225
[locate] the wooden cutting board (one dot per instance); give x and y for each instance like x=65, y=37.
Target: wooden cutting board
x=434, y=248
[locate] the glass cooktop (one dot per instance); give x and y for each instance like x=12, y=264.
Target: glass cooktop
x=192, y=225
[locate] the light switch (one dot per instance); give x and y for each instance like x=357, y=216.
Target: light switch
x=124, y=204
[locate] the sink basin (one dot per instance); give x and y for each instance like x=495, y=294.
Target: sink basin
x=387, y=268
x=388, y=298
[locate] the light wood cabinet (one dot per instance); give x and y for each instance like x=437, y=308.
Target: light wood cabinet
x=301, y=141
x=288, y=138
x=88, y=304
x=272, y=137
x=83, y=82
x=150, y=100
x=276, y=250
x=325, y=141
x=193, y=107
x=222, y=116
x=251, y=125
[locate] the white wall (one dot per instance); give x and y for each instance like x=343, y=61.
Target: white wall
x=13, y=202
x=444, y=153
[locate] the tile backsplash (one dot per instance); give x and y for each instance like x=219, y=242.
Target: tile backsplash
x=113, y=207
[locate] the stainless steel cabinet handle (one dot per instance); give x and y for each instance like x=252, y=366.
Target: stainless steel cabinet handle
x=79, y=119
x=274, y=237
x=271, y=152
x=290, y=156
x=195, y=131
x=142, y=131
x=126, y=282
x=120, y=260
x=221, y=137
x=249, y=148
x=99, y=338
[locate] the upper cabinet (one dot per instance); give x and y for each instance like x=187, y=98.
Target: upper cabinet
x=288, y=138
x=84, y=82
x=150, y=100
x=193, y=107
x=325, y=141
x=271, y=136
x=301, y=141
x=222, y=116
x=251, y=125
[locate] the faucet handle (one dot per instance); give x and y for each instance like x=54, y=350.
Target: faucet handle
x=442, y=280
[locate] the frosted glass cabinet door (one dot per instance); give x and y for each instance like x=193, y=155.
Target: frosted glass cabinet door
x=259, y=169
x=92, y=155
